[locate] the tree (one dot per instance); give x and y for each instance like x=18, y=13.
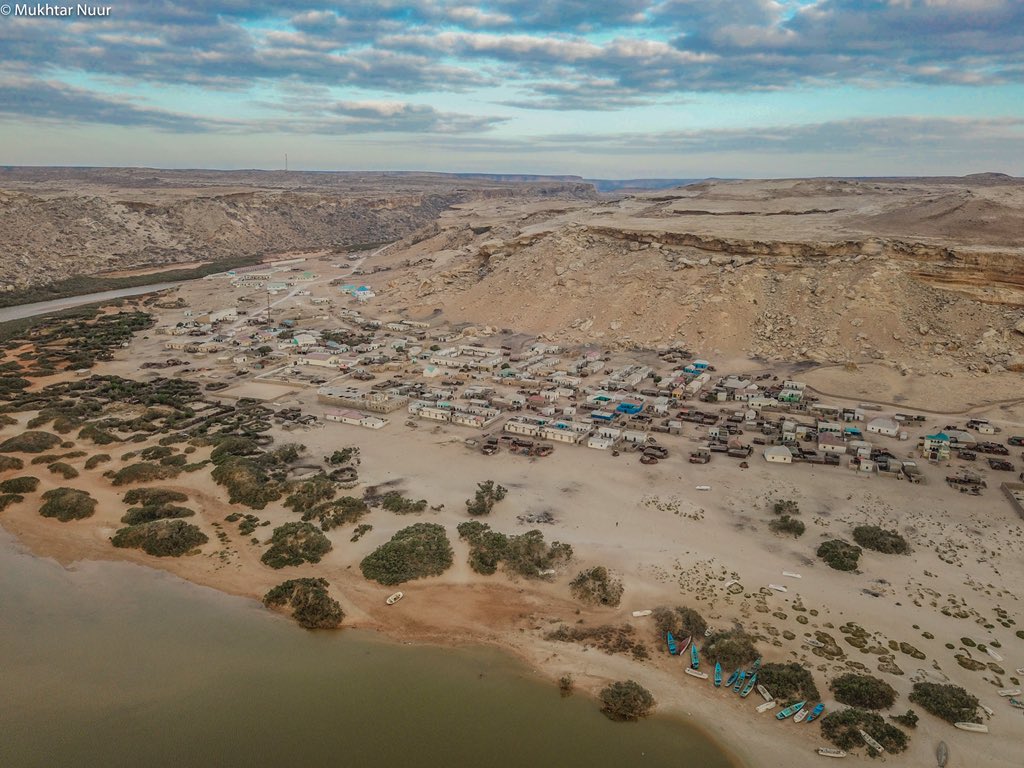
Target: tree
x=597, y=586
x=863, y=691
x=626, y=700
x=311, y=604
x=487, y=495
x=415, y=552
x=880, y=540
x=840, y=555
x=295, y=544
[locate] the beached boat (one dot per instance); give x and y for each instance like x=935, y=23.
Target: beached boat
x=1017, y=703
x=685, y=645
x=696, y=673
x=1020, y=670
x=395, y=598
x=942, y=754
x=703, y=487
x=831, y=752
x=988, y=710
x=673, y=649
x=993, y=653
x=778, y=588
x=800, y=716
x=1009, y=692
x=640, y=614
x=751, y=681
x=755, y=666
x=766, y=706
x=790, y=711
x=732, y=679
x=718, y=675
x=870, y=741
x=764, y=692
x=816, y=712
x=972, y=727
x=792, y=575
x=694, y=656
x=814, y=643
x=739, y=681
x=707, y=632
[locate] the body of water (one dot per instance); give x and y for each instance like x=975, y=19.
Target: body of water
x=110, y=664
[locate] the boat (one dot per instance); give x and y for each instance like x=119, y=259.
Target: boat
x=870, y=741
x=755, y=666
x=739, y=681
x=778, y=588
x=732, y=679
x=764, y=693
x=718, y=675
x=792, y=575
x=707, y=632
x=831, y=752
x=814, y=643
x=767, y=705
x=673, y=649
x=1009, y=692
x=640, y=614
x=816, y=712
x=395, y=598
x=694, y=656
x=800, y=716
x=790, y=711
x=696, y=673
x=703, y=487
x=1017, y=703
x=993, y=653
x=942, y=754
x=751, y=681
x=685, y=645
x=972, y=727
x=1020, y=670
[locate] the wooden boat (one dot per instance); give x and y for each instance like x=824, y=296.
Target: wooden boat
x=739, y=681
x=764, y=693
x=972, y=727
x=993, y=653
x=790, y=711
x=694, y=656
x=1009, y=692
x=800, y=716
x=942, y=754
x=685, y=645
x=732, y=679
x=792, y=575
x=751, y=681
x=696, y=673
x=870, y=741
x=703, y=487
x=640, y=614
x=767, y=705
x=1017, y=703
x=831, y=752
x=673, y=649
x=814, y=643
x=778, y=588
x=718, y=675
x=988, y=710
x=395, y=598
x=816, y=712
x=755, y=666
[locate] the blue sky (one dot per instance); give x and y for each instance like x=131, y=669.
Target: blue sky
x=681, y=88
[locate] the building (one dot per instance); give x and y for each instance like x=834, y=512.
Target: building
x=884, y=426
x=778, y=454
x=831, y=443
x=356, y=418
x=350, y=397
x=527, y=426
x=935, y=447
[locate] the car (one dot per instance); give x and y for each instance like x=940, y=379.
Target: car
x=1016, y=440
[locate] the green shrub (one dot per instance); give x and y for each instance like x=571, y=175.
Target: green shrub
x=786, y=508
x=30, y=442
x=97, y=435
x=344, y=456
x=63, y=469
x=597, y=586
x=788, y=682
x=732, y=648
x=143, y=472
x=156, y=452
x=787, y=524
x=341, y=511
x=161, y=538
x=842, y=728
x=487, y=495
x=395, y=502
x=525, y=554
x=11, y=463
x=880, y=540
x=247, y=482
x=20, y=485
x=295, y=544
x=312, y=606
x=66, y=504
x=908, y=719
x=680, y=621
x=950, y=702
x=606, y=637
x=415, y=552
x=863, y=691
x=150, y=496
x=360, y=531
x=151, y=512
x=7, y=499
x=626, y=700
x=94, y=461
x=840, y=555
x=308, y=493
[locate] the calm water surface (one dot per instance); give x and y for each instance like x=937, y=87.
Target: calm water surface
x=115, y=665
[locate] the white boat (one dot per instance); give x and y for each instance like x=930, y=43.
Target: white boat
x=972, y=727
x=800, y=716
x=395, y=598
x=778, y=588
x=792, y=575
x=766, y=706
x=831, y=752
x=707, y=632
x=696, y=673
x=764, y=693
x=988, y=710
x=814, y=643
x=1009, y=692
x=639, y=614
x=703, y=487
x=991, y=652
x=1020, y=670
x=870, y=741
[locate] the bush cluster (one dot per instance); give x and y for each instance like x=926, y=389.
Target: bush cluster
x=880, y=540
x=843, y=728
x=487, y=495
x=395, y=502
x=30, y=442
x=626, y=700
x=680, y=621
x=732, y=648
x=312, y=606
x=66, y=504
x=161, y=538
x=863, y=691
x=342, y=511
x=606, y=637
x=20, y=485
x=788, y=682
x=6, y=499
x=142, y=472
x=788, y=525
x=950, y=702
x=415, y=552
x=840, y=555
x=597, y=586
x=525, y=554
x=295, y=544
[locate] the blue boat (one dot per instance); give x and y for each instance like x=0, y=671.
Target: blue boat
x=732, y=679
x=790, y=711
x=751, y=681
x=694, y=658
x=756, y=666
x=718, y=675
x=672, y=648
x=816, y=712
x=739, y=681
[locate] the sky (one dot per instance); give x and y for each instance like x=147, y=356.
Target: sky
x=595, y=88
